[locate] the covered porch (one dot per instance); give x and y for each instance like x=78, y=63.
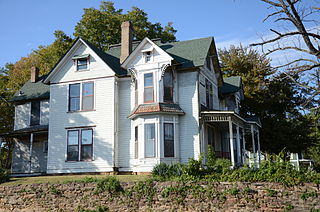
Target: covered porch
x=230, y=136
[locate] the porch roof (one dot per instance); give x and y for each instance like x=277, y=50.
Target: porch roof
x=224, y=116
x=32, y=129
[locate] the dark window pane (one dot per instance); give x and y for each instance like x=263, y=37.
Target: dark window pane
x=87, y=103
x=73, y=153
x=148, y=80
x=74, y=90
x=74, y=103
x=86, y=152
x=87, y=89
x=82, y=64
x=35, y=113
x=148, y=95
x=136, y=143
x=168, y=140
x=168, y=86
x=86, y=137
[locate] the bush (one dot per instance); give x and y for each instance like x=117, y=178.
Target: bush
x=4, y=175
x=110, y=185
x=166, y=171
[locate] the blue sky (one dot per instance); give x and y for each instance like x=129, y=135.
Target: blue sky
x=27, y=24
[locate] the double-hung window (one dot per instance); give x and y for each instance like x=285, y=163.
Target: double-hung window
x=209, y=94
x=148, y=88
x=168, y=86
x=168, y=140
x=79, y=145
x=35, y=113
x=150, y=142
x=81, y=96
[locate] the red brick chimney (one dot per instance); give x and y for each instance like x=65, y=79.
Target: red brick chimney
x=126, y=40
x=34, y=74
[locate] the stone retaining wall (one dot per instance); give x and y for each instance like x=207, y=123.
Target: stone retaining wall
x=162, y=196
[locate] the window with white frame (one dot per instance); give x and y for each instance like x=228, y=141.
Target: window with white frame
x=148, y=88
x=79, y=144
x=81, y=95
x=82, y=64
x=136, y=93
x=150, y=140
x=209, y=94
x=168, y=139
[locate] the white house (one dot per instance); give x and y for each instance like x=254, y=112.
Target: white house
x=129, y=108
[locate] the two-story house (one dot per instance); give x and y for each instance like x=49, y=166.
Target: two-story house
x=129, y=108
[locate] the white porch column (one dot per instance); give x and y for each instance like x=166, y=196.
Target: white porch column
x=231, y=142
x=244, y=146
x=259, y=151
x=253, y=146
x=30, y=152
x=238, y=145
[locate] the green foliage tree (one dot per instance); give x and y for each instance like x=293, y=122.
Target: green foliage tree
x=6, y=117
x=272, y=97
x=102, y=27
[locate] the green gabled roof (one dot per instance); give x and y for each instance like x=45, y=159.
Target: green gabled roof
x=231, y=85
x=190, y=53
x=33, y=91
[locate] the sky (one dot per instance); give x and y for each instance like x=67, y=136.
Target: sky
x=27, y=24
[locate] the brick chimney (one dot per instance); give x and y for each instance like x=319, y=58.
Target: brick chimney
x=34, y=74
x=126, y=40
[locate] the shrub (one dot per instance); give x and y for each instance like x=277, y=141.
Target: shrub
x=4, y=175
x=110, y=185
x=194, y=168
x=166, y=171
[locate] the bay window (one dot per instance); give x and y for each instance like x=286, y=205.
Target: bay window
x=150, y=142
x=148, y=88
x=168, y=140
x=79, y=145
x=168, y=86
x=136, y=143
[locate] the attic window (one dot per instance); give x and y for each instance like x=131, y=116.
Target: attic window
x=82, y=62
x=147, y=56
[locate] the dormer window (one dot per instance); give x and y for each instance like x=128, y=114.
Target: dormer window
x=81, y=62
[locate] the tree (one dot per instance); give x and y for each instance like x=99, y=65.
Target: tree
x=102, y=27
x=273, y=98
x=6, y=117
x=300, y=36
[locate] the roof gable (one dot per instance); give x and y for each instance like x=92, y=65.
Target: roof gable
x=231, y=85
x=145, y=45
x=105, y=58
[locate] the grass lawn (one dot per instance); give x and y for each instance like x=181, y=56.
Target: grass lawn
x=69, y=178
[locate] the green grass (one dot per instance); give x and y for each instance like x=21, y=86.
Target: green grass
x=70, y=178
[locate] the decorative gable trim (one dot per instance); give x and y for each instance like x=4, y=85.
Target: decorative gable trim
x=138, y=49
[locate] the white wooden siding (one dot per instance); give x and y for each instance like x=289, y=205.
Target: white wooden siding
x=189, y=123
x=102, y=120
x=125, y=150
x=22, y=116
